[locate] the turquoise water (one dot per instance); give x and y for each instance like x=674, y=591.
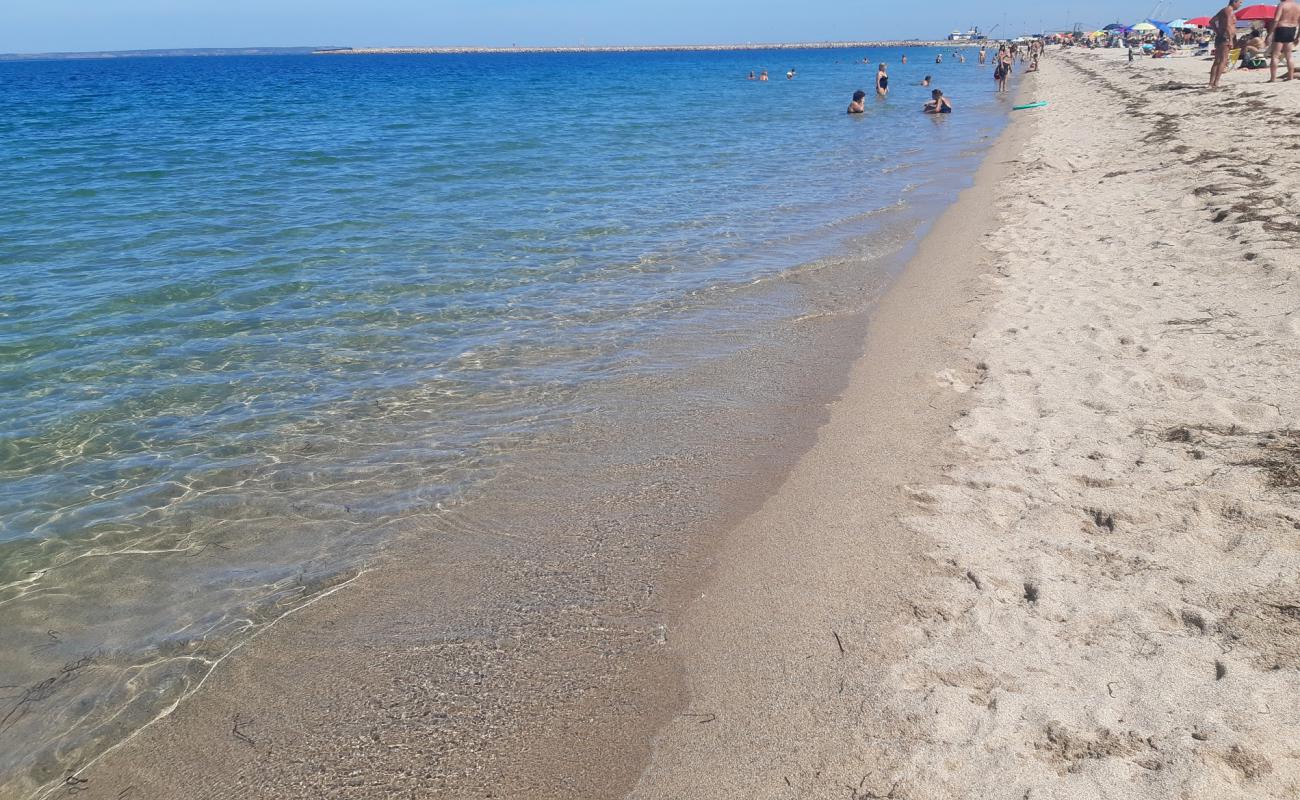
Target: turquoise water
x=261, y=315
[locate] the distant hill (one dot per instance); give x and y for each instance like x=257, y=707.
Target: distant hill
x=198, y=51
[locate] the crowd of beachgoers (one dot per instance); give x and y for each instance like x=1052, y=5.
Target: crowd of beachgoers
x=1259, y=36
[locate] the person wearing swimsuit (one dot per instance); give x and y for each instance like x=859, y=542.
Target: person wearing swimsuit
x=937, y=104
x=1223, y=25
x=1286, y=21
x=856, y=106
x=882, y=81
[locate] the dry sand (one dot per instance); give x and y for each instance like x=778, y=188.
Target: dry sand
x=1045, y=546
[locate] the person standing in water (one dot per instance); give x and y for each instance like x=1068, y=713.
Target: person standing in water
x=856, y=107
x=904, y=58
x=938, y=58
x=882, y=81
x=984, y=54
x=762, y=76
x=925, y=81
x=1224, y=26
x=1002, y=68
x=1286, y=21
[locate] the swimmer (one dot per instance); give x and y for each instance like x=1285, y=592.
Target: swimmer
x=882, y=81
x=904, y=58
x=937, y=104
x=762, y=76
x=925, y=81
x=856, y=106
x=790, y=75
x=938, y=59
x=751, y=75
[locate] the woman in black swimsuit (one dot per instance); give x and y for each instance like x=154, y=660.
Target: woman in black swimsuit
x=882, y=82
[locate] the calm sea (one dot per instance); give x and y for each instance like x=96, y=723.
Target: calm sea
x=260, y=314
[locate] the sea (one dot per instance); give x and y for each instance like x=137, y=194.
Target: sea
x=263, y=317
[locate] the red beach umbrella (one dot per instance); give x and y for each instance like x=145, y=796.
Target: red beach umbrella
x=1253, y=13
x=1203, y=22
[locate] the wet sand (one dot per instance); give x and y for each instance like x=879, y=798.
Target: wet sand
x=790, y=648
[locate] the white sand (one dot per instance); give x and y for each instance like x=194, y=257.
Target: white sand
x=1136, y=362
x=1113, y=601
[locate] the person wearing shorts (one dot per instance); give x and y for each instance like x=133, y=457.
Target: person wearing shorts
x=1286, y=22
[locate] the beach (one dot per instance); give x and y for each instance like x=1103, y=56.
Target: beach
x=1090, y=578
x=1040, y=541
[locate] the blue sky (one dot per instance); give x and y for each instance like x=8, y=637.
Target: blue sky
x=69, y=25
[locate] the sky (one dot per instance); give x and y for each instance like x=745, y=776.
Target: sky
x=31, y=26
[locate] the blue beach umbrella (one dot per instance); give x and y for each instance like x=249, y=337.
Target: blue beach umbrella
x=1163, y=27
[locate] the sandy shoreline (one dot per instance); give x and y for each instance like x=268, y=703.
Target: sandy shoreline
x=558, y=670
x=1045, y=544
x=789, y=649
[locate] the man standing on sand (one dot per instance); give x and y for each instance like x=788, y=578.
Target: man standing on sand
x=1286, y=20
x=1224, y=26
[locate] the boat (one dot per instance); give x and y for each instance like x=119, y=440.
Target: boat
x=972, y=35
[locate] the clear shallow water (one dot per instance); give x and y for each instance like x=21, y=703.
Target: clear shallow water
x=261, y=315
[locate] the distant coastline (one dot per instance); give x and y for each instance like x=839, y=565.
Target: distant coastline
x=331, y=50
x=636, y=48
x=166, y=53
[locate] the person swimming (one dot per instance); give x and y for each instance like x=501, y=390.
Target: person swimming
x=937, y=104
x=762, y=76
x=925, y=81
x=856, y=107
x=790, y=75
x=938, y=59
x=882, y=81
x=751, y=75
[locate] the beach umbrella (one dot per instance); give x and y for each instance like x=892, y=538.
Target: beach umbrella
x=1115, y=26
x=1146, y=27
x=1253, y=13
x=1163, y=27
x=1178, y=23
x=1200, y=22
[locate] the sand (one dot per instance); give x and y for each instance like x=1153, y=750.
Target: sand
x=1109, y=533
x=1045, y=545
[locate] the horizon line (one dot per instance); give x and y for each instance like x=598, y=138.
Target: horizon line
x=465, y=49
